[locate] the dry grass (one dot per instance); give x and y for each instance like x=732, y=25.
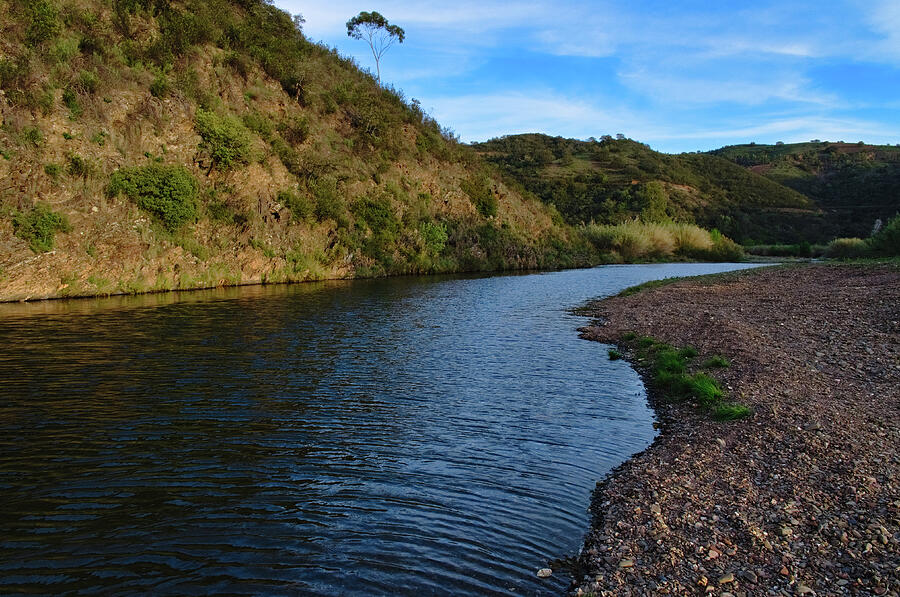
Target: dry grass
x=636, y=240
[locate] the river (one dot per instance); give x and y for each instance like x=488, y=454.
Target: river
x=428, y=435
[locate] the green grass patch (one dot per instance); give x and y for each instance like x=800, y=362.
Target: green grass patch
x=716, y=362
x=670, y=375
x=614, y=355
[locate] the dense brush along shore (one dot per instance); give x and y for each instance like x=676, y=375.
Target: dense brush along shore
x=802, y=496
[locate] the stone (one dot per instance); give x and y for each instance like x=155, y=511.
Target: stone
x=727, y=578
x=544, y=573
x=626, y=563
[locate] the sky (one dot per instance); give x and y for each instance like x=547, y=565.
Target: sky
x=680, y=75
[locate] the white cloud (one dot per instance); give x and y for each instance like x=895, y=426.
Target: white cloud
x=884, y=18
x=479, y=117
x=720, y=85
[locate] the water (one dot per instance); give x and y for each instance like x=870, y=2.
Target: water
x=411, y=436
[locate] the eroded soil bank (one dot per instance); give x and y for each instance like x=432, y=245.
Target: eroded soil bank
x=803, y=497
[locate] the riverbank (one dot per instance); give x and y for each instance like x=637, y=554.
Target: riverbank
x=803, y=497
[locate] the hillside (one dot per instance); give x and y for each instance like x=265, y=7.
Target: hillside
x=613, y=180
x=150, y=145
x=853, y=183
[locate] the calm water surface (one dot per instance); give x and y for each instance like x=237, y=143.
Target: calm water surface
x=411, y=436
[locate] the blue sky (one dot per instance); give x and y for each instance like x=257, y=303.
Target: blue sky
x=680, y=75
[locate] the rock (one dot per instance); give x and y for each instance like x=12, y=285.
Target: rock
x=655, y=509
x=750, y=577
x=726, y=579
x=626, y=563
x=804, y=590
x=544, y=573
x=721, y=442
x=702, y=581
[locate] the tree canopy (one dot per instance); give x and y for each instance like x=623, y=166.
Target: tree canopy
x=375, y=30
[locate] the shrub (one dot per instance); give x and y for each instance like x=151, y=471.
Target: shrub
x=53, y=170
x=70, y=99
x=160, y=86
x=614, y=355
x=88, y=81
x=328, y=202
x=887, y=240
x=847, y=248
x=79, y=166
x=224, y=138
x=435, y=236
x=38, y=227
x=301, y=207
x=478, y=188
x=33, y=136
x=259, y=124
x=44, y=22
x=167, y=192
x=294, y=130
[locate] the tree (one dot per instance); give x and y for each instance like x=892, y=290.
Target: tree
x=377, y=32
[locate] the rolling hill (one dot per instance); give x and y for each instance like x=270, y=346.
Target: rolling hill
x=854, y=184
x=153, y=145
x=613, y=180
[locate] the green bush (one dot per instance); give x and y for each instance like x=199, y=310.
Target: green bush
x=887, y=240
x=224, y=138
x=33, y=136
x=294, y=130
x=70, y=99
x=44, y=22
x=301, y=207
x=79, y=166
x=88, y=81
x=167, y=192
x=53, y=170
x=478, y=188
x=38, y=227
x=328, y=201
x=435, y=236
x=160, y=86
x=259, y=124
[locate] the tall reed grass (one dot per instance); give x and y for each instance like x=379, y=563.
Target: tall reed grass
x=646, y=241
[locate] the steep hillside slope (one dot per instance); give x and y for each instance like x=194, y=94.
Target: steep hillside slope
x=853, y=183
x=148, y=144
x=615, y=179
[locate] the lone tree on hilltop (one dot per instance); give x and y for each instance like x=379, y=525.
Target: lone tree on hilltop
x=377, y=32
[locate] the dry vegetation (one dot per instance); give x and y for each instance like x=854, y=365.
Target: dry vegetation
x=190, y=144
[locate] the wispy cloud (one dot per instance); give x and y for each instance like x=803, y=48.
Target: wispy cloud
x=672, y=73
x=479, y=117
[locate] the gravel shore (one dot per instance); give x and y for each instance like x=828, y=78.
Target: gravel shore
x=803, y=497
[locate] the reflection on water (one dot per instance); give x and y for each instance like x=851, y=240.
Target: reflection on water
x=417, y=435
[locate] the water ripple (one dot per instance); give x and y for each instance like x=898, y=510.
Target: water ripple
x=408, y=436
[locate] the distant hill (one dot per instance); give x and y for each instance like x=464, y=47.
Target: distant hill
x=612, y=180
x=153, y=144
x=853, y=183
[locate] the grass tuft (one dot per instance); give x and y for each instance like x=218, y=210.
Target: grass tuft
x=716, y=362
x=670, y=376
